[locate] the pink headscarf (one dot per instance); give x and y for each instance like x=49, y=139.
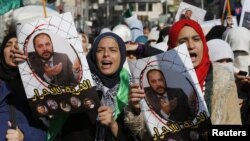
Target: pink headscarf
x=203, y=67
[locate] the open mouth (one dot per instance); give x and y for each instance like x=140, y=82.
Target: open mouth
x=106, y=64
x=11, y=56
x=193, y=56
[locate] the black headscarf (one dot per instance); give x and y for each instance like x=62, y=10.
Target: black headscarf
x=108, y=81
x=7, y=72
x=163, y=33
x=216, y=32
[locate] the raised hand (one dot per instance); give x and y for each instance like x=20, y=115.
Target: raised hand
x=14, y=134
x=173, y=103
x=136, y=94
x=52, y=71
x=165, y=106
x=18, y=55
x=105, y=115
x=106, y=118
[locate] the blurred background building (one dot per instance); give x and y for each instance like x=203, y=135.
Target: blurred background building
x=91, y=16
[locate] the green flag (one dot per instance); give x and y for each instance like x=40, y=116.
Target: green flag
x=123, y=91
x=127, y=13
x=7, y=5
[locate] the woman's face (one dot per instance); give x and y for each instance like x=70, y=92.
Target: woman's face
x=8, y=55
x=194, y=43
x=108, y=56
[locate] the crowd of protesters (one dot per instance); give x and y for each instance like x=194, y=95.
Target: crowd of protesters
x=221, y=59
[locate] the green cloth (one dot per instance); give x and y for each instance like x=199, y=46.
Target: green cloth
x=55, y=126
x=122, y=95
x=7, y=5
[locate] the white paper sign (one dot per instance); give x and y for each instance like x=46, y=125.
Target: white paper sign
x=245, y=15
x=52, y=83
x=188, y=108
x=186, y=10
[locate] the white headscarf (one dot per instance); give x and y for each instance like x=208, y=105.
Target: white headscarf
x=239, y=40
x=104, y=30
x=123, y=31
x=135, y=26
x=219, y=49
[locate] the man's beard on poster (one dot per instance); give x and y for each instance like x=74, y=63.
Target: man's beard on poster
x=160, y=88
x=46, y=59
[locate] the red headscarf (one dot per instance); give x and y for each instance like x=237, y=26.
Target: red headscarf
x=203, y=67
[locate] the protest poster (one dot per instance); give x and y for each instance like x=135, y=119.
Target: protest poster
x=189, y=11
x=175, y=110
x=56, y=75
x=245, y=15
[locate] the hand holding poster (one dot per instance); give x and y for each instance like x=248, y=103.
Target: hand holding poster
x=174, y=106
x=56, y=75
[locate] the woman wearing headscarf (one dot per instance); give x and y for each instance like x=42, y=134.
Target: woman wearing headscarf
x=240, y=46
x=217, y=83
x=105, y=59
x=13, y=101
x=241, y=49
x=220, y=52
